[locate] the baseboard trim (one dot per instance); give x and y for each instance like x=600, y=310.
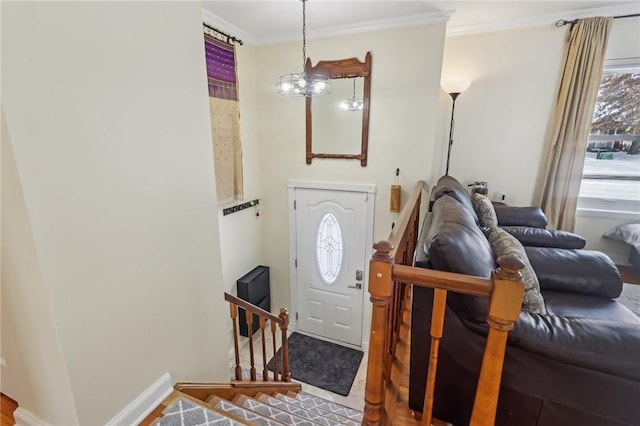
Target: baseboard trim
x=144, y=403
x=25, y=418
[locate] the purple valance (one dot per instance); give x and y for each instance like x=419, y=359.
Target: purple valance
x=221, y=68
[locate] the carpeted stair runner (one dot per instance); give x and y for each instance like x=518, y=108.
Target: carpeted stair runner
x=243, y=413
x=332, y=407
x=296, y=411
x=184, y=412
x=300, y=409
x=328, y=414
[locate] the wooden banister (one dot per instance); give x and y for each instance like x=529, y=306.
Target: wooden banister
x=504, y=310
x=458, y=283
x=280, y=321
x=253, y=308
x=391, y=275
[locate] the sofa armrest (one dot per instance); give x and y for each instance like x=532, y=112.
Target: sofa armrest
x=608, y=346
x=539, y=237
x=520, y=216
x=575, y=271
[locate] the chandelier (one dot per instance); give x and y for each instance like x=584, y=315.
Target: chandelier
x=303, y=84
x=353, y=103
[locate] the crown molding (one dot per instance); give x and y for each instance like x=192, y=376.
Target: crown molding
x=219, y=23
x=542, y=20
x=361, y=27
x=338, y=30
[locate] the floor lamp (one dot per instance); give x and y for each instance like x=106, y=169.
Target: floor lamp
x=453, y=88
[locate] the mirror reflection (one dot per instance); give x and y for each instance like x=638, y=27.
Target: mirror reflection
x=337, y=125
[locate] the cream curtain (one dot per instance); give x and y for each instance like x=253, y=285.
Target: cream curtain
x=572, y=120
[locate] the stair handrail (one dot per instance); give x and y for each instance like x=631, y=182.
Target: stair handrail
x=281, y=320
x=253, y=308
x=391, y=275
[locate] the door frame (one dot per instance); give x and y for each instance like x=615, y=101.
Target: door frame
x=363, y=188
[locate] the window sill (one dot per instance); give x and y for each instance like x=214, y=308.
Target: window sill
x=608, y=214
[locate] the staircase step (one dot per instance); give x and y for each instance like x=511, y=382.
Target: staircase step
x=185, y=412
x=298, y=411
x=243, y=413
x=309, y=407
x=271, y=412
x=333, y=407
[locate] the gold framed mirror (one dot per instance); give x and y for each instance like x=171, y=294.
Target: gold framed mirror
x=334, y=131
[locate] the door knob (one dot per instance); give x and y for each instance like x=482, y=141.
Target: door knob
x=358, y=286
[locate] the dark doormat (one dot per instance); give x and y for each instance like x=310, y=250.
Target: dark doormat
x=322, y=364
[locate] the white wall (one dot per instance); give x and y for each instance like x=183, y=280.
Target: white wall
x=36, y=374
x=106, y=105
x=405, y=81
x=624, y=42
x=502, y=120
x=240, y=235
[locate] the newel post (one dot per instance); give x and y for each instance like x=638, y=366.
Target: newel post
x=284, y=325
x=380, y=290
x=504, y=310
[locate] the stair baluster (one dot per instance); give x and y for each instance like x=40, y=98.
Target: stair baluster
x=252, y=370
x=282, y=320
x=275, y=358
x=234, y=316
x=265, y=372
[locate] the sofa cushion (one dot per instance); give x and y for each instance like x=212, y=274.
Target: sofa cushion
x=564, y=304
x=454, y=243
x=485, y=211
x=450, y=186
x=521, y=216
x=540, y=237
x=505, y=244
x=575, y=271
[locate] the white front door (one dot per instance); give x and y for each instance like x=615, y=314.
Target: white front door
x=332, y=230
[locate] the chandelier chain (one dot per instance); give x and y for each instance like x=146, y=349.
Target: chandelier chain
x=304, y=34
x=299, y=83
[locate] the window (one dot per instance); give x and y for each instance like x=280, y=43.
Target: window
x=611, y=173
x=329, y=248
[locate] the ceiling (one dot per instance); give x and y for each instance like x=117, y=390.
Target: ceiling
x=268, y=21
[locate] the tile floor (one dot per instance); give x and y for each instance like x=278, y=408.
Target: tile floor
x=355, y=399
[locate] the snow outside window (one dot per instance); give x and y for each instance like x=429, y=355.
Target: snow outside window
x=611, y=174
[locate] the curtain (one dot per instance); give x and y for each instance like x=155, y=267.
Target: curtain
x=225, y=118
x=572, y=120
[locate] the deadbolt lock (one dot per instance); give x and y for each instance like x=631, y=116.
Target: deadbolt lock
x=359, y=275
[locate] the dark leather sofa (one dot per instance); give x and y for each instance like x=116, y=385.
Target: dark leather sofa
x=578, y=364
x=527, y=224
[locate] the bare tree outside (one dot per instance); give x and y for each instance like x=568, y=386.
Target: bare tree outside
x=618, y=107
x=612, y=162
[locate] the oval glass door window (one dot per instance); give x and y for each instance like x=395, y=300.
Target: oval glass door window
x=329, y=248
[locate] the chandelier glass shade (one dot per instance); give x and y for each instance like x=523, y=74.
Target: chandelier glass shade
x=303, y=84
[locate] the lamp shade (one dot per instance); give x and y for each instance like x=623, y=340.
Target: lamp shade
x=456, y=86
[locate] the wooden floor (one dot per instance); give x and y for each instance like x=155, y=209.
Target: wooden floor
x=7, y=407
x=629, y=274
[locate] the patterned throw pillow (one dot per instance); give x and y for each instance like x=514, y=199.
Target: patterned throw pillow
x=485, y=211
x=504, y=244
